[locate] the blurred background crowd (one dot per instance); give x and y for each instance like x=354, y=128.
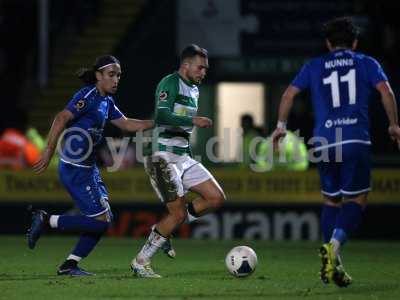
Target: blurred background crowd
x=255, y=48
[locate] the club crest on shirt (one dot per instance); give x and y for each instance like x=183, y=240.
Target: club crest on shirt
x=163, y=96
x=80, y=104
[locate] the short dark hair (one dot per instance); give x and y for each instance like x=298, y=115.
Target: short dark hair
x=247, y=118
x=191, y=51
x=341, y=31
x=88, y=75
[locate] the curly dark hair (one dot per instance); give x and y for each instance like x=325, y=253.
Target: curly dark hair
x=88, y=75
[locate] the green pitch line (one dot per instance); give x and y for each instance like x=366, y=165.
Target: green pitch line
x=286, y=270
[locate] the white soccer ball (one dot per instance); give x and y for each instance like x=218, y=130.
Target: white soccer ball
x=241, y=261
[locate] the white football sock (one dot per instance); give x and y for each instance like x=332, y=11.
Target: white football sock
x=74, y=257
x=153, y=243
x=53, y=221
x=190, y=218
x=336, y=246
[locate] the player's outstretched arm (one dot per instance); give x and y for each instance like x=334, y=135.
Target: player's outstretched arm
x=389, y=103
x=132, y=125
x=165, y=116
x=202, y=122
x=56, y=129
x=284, y=110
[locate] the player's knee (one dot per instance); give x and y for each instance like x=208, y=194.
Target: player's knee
x=179, y=216
x=106, y=226
x=216, y=199
x=333, y=200
x=102, y=227
x=103, y=223
x=359, y=199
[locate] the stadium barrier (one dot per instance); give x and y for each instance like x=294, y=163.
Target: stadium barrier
x=233, y=221
x=272, y=206
x=240, y=186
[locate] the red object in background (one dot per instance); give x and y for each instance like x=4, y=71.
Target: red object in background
x=16, y=151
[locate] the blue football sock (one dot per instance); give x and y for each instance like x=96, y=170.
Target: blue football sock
x=328, y=221
x=82, y=224
x=86, y=244
x=347, y=221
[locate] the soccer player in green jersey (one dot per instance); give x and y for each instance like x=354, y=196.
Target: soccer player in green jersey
x=172, y=170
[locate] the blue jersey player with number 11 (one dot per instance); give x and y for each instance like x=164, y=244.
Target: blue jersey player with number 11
x=340, y=83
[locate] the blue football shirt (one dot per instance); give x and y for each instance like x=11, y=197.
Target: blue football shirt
x=340, y=83
x=91, y=110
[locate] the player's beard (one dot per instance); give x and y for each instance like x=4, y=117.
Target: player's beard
x=196, y=81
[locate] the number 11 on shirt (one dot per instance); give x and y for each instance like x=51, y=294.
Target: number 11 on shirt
x=333, y=81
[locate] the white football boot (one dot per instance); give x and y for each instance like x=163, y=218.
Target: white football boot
x=143, y=271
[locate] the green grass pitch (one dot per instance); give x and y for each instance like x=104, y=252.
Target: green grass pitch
x=286, y=270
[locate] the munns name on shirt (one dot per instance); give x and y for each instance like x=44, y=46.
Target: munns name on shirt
x=342, y=62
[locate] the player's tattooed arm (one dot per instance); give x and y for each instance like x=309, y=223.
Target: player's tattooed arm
x=389, y=103
x=284, y=110
x=287, y=102
x=202, y=122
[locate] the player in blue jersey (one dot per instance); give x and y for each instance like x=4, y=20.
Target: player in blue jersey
x=82, y=122
x=340, y=83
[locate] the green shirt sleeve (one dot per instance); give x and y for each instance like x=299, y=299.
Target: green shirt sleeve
x=165, y=96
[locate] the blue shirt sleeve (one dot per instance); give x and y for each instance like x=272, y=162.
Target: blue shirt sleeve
x=375, y=73
x=78, y=105
x=113, y=112
x=302, y=79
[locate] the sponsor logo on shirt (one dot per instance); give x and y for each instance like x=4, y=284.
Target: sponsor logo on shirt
x=163, y=96
x=328, y=123
x=80, y=104
x=341, y=122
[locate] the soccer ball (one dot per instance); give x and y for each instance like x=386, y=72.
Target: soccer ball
x=241, y=261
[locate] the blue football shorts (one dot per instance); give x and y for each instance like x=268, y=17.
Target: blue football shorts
x=348, y=176
x=86, y=188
